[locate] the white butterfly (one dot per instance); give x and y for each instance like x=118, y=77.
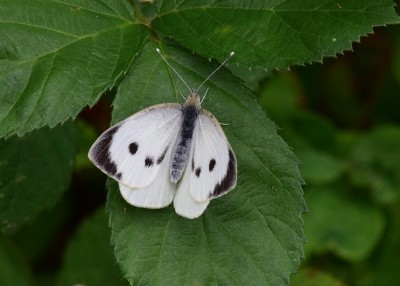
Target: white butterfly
x=169, y=152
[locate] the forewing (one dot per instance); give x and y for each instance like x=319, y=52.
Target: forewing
x=212, y=168
x=133, y=151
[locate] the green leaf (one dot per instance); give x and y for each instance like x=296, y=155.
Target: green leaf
x=346, y=140
x=34, y=172
x=271, y=34
x=310, y=135
x=305, y=124
x=89, y=258
x=338, y=223
x=376, y=161
x=319, y=167
x=279, y=97
x=251, y=236
x=251, y=77
x=13, y=269
x=37, y=238
x=56, y=57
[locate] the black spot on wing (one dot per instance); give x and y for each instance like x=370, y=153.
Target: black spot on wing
x=229, y=180
x=148, y=162
x=162, y=156
x=101, y=154
x=119, y=176
x=198, y=171
x=211, y=165
x=133, y=147
x=193, y=164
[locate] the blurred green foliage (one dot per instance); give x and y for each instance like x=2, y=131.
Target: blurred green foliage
x=342, y=120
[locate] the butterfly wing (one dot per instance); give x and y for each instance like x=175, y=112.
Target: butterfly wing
x=134, y=151
x=213, y=164
x=211, y=169
x=184, y=203
x=158, y=194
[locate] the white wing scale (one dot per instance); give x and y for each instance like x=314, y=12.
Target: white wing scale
x=158, y=194
x=213, y=165
x=184, y=204
x=143, y=139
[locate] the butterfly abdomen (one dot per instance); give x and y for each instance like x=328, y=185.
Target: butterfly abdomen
x=180, y=155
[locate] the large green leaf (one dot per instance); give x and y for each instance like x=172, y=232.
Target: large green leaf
x=253, y=235
x=271, y=34
x=56, y=57
x=34, y=172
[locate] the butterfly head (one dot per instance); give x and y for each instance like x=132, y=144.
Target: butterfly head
x=193, y=99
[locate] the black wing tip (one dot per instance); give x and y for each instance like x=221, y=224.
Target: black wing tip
x=229, y=181
x=99, y=153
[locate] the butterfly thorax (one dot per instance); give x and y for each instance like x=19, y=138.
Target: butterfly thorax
x=180, y=155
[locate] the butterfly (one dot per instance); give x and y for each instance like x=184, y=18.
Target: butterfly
x=168, y=153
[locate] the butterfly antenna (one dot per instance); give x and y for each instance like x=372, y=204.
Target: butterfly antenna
x=204, y=97
x=182, y=96
x=164, y=59
x=220, y=66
